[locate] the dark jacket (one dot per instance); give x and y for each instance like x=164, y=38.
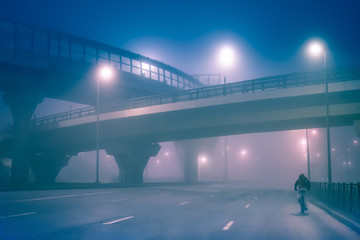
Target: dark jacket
x=302, y=182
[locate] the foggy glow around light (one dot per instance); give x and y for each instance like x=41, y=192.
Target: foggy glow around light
x=203, y=159
x=243, y=153
x=226, y=56
x=303, y=142
x=106, y=73
x=316, y=48
x=314, y=132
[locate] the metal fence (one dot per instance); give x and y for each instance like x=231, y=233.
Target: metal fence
x=244, y=87
x=342, y=196
x=44, y=45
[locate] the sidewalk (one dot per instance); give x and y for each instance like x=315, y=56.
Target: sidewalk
x=345, y=218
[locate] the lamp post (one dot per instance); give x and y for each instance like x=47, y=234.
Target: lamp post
x=308, y=154
x=104, y=73
x=226, y=59
x=317, y=49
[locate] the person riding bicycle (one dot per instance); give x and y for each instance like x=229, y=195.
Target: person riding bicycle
x=302, y=185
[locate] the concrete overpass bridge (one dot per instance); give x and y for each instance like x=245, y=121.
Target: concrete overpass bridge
x=36, y=63
x=131, y=129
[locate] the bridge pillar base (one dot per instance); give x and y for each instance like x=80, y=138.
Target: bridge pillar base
x=22, y=105
x=131, y=158
x=46, y=167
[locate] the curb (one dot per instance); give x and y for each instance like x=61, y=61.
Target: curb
x=341, y=218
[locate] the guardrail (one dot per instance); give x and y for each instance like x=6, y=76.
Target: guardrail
x=256, y=85
x=342, y=196
x=24, y=41
x=209, y=79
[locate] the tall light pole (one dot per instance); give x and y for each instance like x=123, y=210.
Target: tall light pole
x=105, y=73
x=308, y=154
x=317, y=49
x=226, y=59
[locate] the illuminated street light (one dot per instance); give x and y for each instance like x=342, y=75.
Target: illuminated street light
x=317, y=49
x=105, y=73
x=243, y=153
x=226, y=56
x=226, y=59
x=203, y=159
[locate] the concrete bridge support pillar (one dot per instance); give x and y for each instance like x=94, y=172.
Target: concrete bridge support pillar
x=357, y=127
x=22, y=104
x=189, y=151
x=46, y=167
x=131, y=158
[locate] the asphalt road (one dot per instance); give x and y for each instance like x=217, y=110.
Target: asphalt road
x=215, y=211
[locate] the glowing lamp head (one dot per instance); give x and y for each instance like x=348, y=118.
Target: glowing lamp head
x=226, y=56
x=106, y=73
x=316, y=48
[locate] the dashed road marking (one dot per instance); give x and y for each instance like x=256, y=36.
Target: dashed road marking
x=247, y=206
x=255, y=198
x=64, y=196
x=119, y=200
x=183, y=203
x=211, y=196
x=228, y=225
x=118, y=220
x=45, y=198
x=18, y=215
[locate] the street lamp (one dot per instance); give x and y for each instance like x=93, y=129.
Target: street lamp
x=226, y=60
x=317, y=49
x=105, y=73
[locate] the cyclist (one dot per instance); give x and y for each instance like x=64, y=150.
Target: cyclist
x=302, y=185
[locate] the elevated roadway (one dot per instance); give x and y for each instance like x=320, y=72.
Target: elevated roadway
x=287, y=102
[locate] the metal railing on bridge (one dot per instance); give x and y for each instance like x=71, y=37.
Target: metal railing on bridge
x=342, y=196
x=45, y=45
x=244, y=87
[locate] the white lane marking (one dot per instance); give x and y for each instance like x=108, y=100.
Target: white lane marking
x=118, y=220
x=255, y=198
x=64, y=196
x=18, y=215
x=247, y=206
x=228, y=225
x=45, y=198
x=211, y=196
x=97, y=193
x=183, y=203
x=118, y=200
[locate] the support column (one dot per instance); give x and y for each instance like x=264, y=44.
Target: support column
x=189, y=150
x=22, y=105
x=357, y=127
x=131, y=158
x=46, y=167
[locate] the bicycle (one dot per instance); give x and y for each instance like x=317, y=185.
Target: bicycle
x=301, y=193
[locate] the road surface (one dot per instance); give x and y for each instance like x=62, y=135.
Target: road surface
x=214, y=211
